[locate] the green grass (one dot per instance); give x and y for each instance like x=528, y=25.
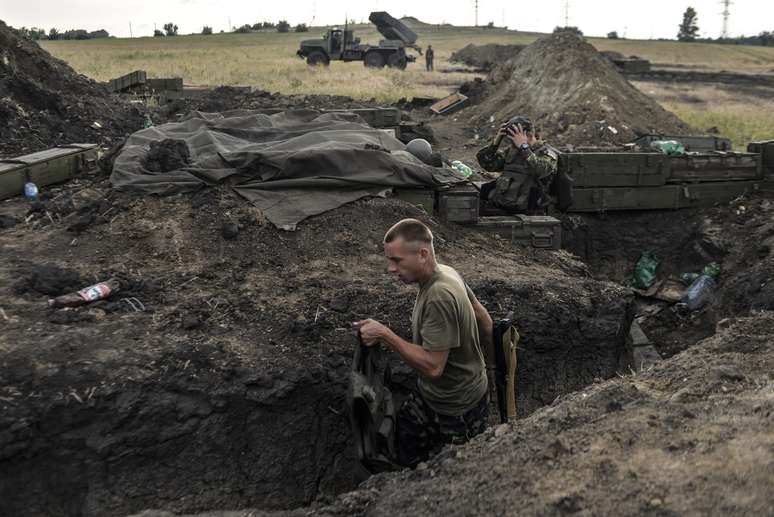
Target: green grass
x=741, y=116
x=267, y=61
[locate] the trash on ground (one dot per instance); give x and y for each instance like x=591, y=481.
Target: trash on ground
x=645, y=271
x=89, y=294
x=700, y=292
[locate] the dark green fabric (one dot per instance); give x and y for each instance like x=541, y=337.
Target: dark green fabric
x=645, y=271
x=291, y=165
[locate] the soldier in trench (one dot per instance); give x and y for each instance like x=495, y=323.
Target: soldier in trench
x=451, y=330
x=528, y=167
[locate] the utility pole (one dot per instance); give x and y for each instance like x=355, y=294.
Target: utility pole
x=726, y=13
x=130, y=30
x=566, y=13
x=476, y=2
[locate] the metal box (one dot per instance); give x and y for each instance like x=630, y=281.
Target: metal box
x=718, y=166
x=766, y=150
x=136, y=78
x=614, y=169
x=419, y=197
x=699, y=143
x=536, y=231
x=45, y=167
x=458, y=205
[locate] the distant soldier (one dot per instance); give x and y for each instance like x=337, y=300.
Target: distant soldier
x=528, y=168
x=429, y=55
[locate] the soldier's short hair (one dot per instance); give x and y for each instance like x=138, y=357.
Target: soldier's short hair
x=411, y=230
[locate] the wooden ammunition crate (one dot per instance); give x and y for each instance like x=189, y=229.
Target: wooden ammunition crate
x=717, y=166
x=459, y=205
x=615, y=169
x=423, y=198
x=45, y=167
x=766, y=150
x=136, y=78
x=536, y=231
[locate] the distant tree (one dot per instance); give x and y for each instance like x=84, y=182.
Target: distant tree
x=170, y=29
x=244, y=29
x=76, y=34
x=257, y=26
x=612, y=35
x=283, y=26
x=301, y=27
x=158, y=34
x=54, y=34
x=573, y=30
x=688, y=29
x=33, y=33
x=489, y=25
x=207, y=30
x=268, y=25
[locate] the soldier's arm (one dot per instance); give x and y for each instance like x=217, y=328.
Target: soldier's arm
x=491, y=159
x=541, y=165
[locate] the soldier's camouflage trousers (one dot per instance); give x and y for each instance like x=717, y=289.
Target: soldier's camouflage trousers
x=422, y=431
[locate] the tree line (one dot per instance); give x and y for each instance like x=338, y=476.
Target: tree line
x=36, y=33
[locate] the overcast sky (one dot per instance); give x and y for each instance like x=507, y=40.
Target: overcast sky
x=636, y=19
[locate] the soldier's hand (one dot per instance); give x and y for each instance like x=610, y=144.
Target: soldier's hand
x=517, y=135
x=371, y=331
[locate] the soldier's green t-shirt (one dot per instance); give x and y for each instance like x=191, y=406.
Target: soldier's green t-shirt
x=443, y=319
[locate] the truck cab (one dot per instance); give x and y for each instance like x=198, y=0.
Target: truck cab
x=341, y=45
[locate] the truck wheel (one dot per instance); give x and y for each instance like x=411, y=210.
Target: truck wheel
x=374, y=60
x=396, y=61
x=317, y=58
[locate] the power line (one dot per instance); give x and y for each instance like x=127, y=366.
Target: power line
x=726, y=13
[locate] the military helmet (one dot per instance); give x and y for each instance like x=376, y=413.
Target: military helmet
x=524, y=122
x=420, y=148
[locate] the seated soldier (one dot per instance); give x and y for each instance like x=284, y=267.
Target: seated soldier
x=528, y=167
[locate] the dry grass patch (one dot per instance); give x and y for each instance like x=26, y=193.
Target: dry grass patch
x=743, y=115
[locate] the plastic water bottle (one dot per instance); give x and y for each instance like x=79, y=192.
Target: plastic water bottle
x=31, y=191
x=700, y=292
x=462, y=168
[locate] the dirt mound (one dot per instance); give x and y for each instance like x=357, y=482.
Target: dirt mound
x=216, y=377
x=44, y=102
x=573, y=93
x=485, y=57
x=226, y=98
x=690, y=436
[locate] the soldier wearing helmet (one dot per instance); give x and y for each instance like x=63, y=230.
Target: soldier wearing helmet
x=528, y=168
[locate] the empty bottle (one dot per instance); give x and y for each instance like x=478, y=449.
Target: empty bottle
x=90, y=294
x=31, y=191
x=462, y=168
x=700, y=292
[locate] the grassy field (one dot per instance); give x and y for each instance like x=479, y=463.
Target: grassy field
x=267, y=61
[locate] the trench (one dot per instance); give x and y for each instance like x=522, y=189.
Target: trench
x=284, y=441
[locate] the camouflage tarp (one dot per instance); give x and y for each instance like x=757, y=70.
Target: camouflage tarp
x=291, y=165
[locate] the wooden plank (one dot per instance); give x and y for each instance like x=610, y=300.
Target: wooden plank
x=448, y=104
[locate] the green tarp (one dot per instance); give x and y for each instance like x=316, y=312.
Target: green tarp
x=291, y=165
